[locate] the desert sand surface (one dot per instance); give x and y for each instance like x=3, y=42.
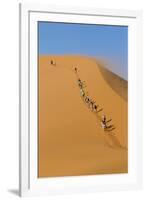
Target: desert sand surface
x=71, y=139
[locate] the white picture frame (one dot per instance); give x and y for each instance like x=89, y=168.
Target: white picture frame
x=30, y=184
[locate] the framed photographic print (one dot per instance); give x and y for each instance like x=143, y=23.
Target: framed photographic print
x=80, y=100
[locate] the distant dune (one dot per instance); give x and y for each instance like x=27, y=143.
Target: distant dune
x=71, y=140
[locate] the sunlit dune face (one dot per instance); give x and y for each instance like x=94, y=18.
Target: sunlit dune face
x=72, y=114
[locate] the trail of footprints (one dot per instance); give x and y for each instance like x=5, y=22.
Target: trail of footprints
x=105, y=124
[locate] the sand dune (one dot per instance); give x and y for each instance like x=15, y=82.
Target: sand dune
x=71, y=140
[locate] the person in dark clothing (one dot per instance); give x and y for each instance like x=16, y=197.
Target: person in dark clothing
x=75, y=70
x=80, y=83
x=95, y=107
x=53, y=63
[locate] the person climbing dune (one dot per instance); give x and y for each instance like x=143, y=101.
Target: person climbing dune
x=52, y=62
x=87, y=99
x=75, y=70
x=80, y=83
x=103, y=122
x=91, y=103
x=95, y=107
x=82, y=92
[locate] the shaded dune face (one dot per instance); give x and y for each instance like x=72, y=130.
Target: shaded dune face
x=118, y=84
x=71, y=140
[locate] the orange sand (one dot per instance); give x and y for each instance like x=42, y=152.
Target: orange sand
x=71, y=140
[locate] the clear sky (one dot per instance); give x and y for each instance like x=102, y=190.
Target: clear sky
x=104, y=41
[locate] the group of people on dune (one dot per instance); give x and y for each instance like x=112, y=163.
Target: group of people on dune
x=92, y=104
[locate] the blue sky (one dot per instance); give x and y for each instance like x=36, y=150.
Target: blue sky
x=107, y=42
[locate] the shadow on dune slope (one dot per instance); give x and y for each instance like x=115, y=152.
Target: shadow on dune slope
x=119, y=85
